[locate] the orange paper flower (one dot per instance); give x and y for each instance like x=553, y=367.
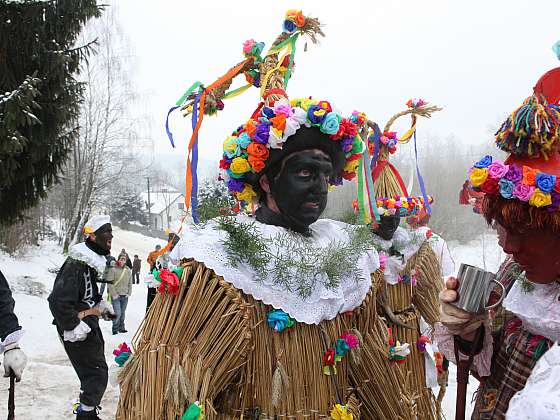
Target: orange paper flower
x=529, y=175
x=256, y=163
x=279, y=122
x=257, y=150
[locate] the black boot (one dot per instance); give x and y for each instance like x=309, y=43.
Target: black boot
x=88, y=415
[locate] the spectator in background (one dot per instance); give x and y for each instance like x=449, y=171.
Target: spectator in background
x=152, y=258
x=119, y=289
x=136, y=266
x=128, y=262
x=10, y=333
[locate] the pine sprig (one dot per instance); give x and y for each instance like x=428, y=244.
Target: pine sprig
x=298, y=266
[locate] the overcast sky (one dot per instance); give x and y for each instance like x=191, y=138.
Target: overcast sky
x=478, y=59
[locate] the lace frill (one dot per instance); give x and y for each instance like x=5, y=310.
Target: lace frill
x=205, y=246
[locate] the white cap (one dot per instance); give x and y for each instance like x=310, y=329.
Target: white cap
x=95, y=223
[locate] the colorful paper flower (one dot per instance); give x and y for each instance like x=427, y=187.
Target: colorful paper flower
x=490, y=186
x=340, y=412
x=545, y=182
x=485, y=162
x=540, y=198
x=316, y=115
x=279, y=320
x=239, y=165
x=523, y=192
x=529, y=176
x=506, y=188
x=296, y=16
x=514, y=174
x=478, y=176
x=331, y=123
x=497, y=170
x=248, y=194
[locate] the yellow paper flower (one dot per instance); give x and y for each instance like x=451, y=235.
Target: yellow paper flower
x=352, y=165
x=340, y=412
x=239, y=165
x=540, y=199
x=230, y=144
x=478, y=176
x=88, y=230
x=303, y=103
x=248, y=194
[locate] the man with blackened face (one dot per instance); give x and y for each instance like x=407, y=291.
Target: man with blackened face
x=77, y=305
x=295, y=187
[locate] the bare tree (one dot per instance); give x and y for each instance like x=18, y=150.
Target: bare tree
x=107, y=129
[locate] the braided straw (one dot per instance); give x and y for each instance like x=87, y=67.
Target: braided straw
x=218, y=93
x=421, y=111
x=311, y=29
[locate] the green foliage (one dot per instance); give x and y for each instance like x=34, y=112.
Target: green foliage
x=298, y=265
x=128, y=207
x=213, y=200
x=40, y=96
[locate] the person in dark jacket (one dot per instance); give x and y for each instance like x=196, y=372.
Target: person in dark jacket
x=10, y=333
x=136, y=267
x=76, y=306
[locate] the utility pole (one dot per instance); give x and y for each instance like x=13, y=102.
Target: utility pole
x=149, y=205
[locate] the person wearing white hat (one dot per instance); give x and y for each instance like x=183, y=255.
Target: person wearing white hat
x=77, y=305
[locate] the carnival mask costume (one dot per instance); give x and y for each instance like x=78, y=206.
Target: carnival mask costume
x=521, y=197
x=275, y=317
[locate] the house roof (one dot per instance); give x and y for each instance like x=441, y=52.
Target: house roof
x=159, y=201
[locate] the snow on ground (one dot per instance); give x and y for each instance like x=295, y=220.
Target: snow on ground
x=49, y=383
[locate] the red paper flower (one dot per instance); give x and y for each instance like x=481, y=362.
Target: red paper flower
x=328, y=358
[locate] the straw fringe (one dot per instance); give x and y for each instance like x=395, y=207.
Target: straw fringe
x=212, y=343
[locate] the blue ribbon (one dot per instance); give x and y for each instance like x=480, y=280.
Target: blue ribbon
x=421, y=180
x=194, y=165
x=169, y=134
x=369, y=178
x=376, y=147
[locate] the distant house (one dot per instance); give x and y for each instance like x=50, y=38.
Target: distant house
x=165, y=207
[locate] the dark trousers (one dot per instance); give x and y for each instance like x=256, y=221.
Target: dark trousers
x=88, y=359
x=152, y=291
x=136, y=277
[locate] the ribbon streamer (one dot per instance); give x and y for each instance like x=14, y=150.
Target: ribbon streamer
x=178, y=104
x=421, y=180
x=194, y=193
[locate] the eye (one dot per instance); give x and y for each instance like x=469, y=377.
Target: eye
x=304, y=172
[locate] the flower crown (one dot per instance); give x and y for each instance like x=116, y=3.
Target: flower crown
x=520, y=182
x=246, y=151
x=402, y=206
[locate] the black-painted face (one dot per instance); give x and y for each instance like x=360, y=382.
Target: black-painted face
x=103, y=236
x=300, y=189
x=387, y=227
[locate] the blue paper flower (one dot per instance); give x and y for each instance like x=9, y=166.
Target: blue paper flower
x=545, y=182
x=485, y=162
x=506, y=188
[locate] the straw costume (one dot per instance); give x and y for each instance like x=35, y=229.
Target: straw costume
x=274, y=317
x=409, y=278
x=521, y=193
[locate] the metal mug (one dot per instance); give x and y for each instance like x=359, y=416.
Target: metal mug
x=474, y=289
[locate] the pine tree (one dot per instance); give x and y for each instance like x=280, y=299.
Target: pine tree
x=129, y=207
x=39, y=95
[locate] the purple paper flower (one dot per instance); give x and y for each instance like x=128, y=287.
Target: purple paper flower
x=336, y=180
x=555, y=205
x=485, y=162
x=514, y=174
x=523, y=192
x=262, y=134
x=545, y=182
x=506, y=188
x=235, y=186
x=347, y=144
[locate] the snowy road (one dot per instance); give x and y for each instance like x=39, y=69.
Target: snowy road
x=49, y=383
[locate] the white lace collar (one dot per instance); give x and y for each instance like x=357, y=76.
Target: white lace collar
x=539, y=309
x=407, y=243
x=81, y=252
x=204, y=245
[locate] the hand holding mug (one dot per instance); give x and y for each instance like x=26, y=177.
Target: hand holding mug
x=458, y=321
